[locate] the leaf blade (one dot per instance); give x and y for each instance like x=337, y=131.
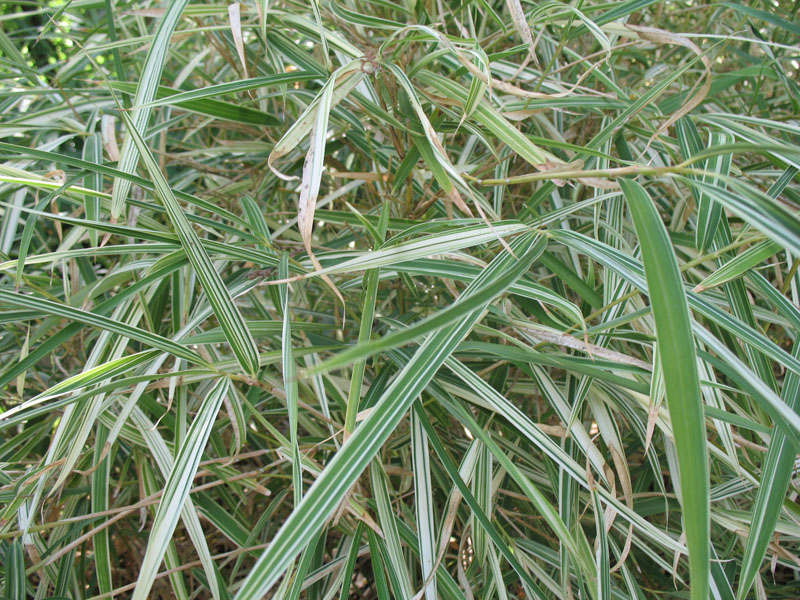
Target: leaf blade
x=681, y=379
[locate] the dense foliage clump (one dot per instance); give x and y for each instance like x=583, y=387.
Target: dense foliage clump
x=442, y=299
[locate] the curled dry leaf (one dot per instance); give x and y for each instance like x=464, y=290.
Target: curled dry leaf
x=342, y=82
x=309, y=188
x=146, y=12
x=108, y=130
x=504, y=86
x=563, y=339
x=236, y=31
x=521, y=115
x=659, y=36
x=522, y=27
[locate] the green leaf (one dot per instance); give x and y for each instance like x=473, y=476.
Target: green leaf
x=230, y=319
x=290, y=379
x=423, y=493
x=199, y=101
x=62, y=310
x=93, y=152
x=177, y=487
x=739, y=266
x=100, y=486
x=530, y=586
x=775, y=478
x=146, y=90
x=14, y=568
x=758, y=209
x=169, y=97
x=764, y=16
x=681, y=380
x=96, y=374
